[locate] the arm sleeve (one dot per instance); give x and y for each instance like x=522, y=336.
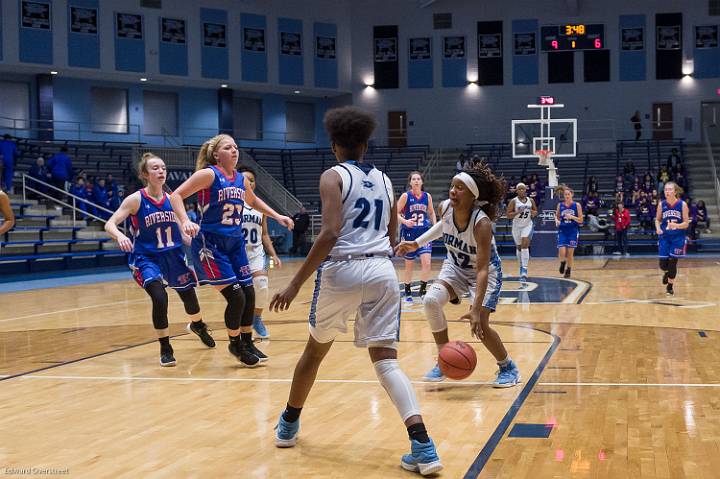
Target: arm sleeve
x=430, y=235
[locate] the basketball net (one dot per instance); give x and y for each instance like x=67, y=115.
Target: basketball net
x=545, y=159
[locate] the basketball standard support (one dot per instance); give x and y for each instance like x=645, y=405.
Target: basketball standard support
x=546, y=144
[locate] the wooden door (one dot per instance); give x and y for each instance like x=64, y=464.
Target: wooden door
x=397, y=128
x=662, y=121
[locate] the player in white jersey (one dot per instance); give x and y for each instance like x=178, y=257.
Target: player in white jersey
x=522, y=210
x=355, y=278
x=472, y=265
x=257, y=242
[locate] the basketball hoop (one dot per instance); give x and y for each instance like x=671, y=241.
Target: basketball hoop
x=543, y=157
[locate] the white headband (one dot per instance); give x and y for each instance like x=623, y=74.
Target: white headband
x=469, y=182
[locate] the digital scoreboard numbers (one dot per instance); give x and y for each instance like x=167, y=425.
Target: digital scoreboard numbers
x=555, y=38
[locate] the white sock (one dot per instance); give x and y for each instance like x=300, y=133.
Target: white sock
x=505, y=361
x=398, y=387
x=524, y=257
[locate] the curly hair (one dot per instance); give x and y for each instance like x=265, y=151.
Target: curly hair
x=349, y=127
x=491, y=189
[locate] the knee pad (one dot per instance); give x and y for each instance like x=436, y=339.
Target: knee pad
x=672, y=268
x=248, y=313
x=663, y=264
x=434, y=301
x=262, y=291
x=190, y=301
x=398, y=387
x=159, y=297
x=235, y=298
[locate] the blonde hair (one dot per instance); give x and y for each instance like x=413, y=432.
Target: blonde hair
x=678, y=190
x=142, y=165
x=205, y=156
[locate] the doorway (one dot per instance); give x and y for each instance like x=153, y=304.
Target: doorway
x=710, y=122
x=397, y=128
x=662, y=121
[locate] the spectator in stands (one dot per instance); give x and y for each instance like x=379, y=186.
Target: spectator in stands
x=39, y=172
x=647, y=183
x=654, y=202
x=674, y=160
x=592, y=185
x=511, y=193
x=663, y=177
x=191, y=212
x=619, y=184
x=644, y=215
x=302, y=223
x=100, y=197
x=460, y=163
x=591, y=203
x=591, y=207
x=78, y=189
x=117, y=200
x=621, y=217
x=635, y=192
x=703, y=219
x=476, y=160
x=629, y=171
x=8, y=154
x=681, y=180
x=637, y=125
x=60, y=167
x=111, y=184
x=90, y=195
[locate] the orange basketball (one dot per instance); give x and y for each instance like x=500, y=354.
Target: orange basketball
x=457, y=360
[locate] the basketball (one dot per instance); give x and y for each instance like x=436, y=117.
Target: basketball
x=457, y=360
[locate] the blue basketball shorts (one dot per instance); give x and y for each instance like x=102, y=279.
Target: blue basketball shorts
x=411, y=234
x=220, y=259
x=170, y=267
x=671, y=246
x=568, y=239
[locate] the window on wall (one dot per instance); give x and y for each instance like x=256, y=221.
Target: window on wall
x=160, y=113
x=109, y=110
x=300, y=121
x=247, y=118
x=14, y=105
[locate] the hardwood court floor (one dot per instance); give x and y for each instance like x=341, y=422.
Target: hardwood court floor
x=626, y=384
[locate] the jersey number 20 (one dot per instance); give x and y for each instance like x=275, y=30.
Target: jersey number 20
x=253, y=235
x=364, y=206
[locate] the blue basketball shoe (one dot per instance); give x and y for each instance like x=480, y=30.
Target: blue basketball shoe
x=422, y=459
x=286, y=432
x=434, y=375
x=508, y=376
x=259, y=327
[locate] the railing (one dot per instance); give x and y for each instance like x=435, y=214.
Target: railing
x=75, y=199
x=270, y=188
x=431, y=164
x=69, y=130
x=315, y=225
x=714, y=168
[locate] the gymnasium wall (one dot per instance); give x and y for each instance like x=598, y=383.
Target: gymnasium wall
x=442, y=109
x=274, y=50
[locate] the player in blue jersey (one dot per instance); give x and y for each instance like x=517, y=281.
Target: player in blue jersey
x=416, y=215
x=218, y=246
x=671, y=224
x=568, y=218
x=156, y=254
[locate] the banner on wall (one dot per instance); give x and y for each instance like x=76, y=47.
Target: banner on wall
x=453, y=47
x=489, y=45
x=129, y=25
x=83, y=20
x=668, y=37
x=325, y=47
x=420, y=48
x=172, y=30
x=632, y=39
x=524, y=44
x=254, y=39
x=706, y=36
x=385, y=50
x=214, y=35
x=36, y=15
x=290, y=43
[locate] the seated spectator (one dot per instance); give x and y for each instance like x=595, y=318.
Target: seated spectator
x=644, y=215
x=621, y=218
x=511, y=193
x=703, y=219
x=191, y=212
x=619, y=184
x=654, y=201
x=534, y=192
x=673, y=160
x=647, y=183
x=592, y=185
x=595, y=223
x=60, y=167
x=39, y=172
x=662, y=178
x=629, y=171
x=591, y=204
x=111, y=184
x=78, y=189
x=636, y=190
x=681, y=180
x=100, y=197
x=460, y=164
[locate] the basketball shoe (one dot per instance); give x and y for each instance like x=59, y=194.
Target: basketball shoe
x=434, y=375
x=422, y=459
x=286, y=432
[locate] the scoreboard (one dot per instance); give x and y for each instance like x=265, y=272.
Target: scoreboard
x=572, y=37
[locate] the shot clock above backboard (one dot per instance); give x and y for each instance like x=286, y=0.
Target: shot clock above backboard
x=572, y=37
